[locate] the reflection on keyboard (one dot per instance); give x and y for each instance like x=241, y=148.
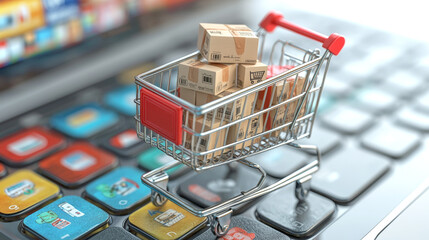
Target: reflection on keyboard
x=373, y=112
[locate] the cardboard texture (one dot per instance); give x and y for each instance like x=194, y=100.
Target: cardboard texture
x=276, y=117
x=237, y=132
x=207, y=142
x=228, y=43
x=240, y=110
x=211, y=78
x=248, y=74
x=188, y=95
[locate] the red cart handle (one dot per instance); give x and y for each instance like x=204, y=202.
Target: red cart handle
x=334, y=43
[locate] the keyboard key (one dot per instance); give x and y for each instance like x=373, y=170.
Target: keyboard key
x=391, y=140
x=77, y=164
x=218, y=184
x=423, y=102
x=120, y=191
x=114, y=233
x=125, y=143
x=29, y=145
x=23, y=191
x=347, y=120
x=2, y=171
x=154, y=158
x=300, y=219
x=347, y=173
x=122, y=100
x=280, y=162
x=413, y=119
x=70, y=217
x=336, y=87
x=166, y=222
x=246, y=229
x=376, y=101
x=324, y=139
x=84, y=121
x=403, y=84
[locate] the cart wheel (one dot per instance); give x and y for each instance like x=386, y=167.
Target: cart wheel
x=219, y=223
x=218, y=229
x=157, y=199
x=302, y=188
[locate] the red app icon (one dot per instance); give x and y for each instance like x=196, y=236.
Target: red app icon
x=77, y=164
x=29, y=145
x=125, y=139
x=237, y=233
x=2, y=170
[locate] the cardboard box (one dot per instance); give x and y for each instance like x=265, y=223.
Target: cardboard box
x=211, y=78
x=237, y=132
x=228, y=43
x=276, y=117
x=207, y=142
x=188, y=95
x=248, y=74
x=240, y=109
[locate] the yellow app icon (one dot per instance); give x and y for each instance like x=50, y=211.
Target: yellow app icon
x=166, y=222
x=22, y=191
x=81, y=117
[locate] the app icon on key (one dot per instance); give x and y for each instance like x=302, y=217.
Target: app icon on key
x=119, y=191
x=154, y=158
x=29, y=145
x=2, y=170
x=122, y=100
x=84, y=121
x=77, y=164
x=125, y=143
x=70, y=217
x=23, y=191
x=166, y=222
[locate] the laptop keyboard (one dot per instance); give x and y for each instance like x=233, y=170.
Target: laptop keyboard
x=73, y=167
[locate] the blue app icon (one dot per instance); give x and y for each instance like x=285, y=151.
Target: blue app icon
x=70, y=217
x=84, y=121
x=119, y=190
x=122, y=100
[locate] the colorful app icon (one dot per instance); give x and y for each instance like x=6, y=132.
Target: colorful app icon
x=25, y=187
x=120, y=190
x=4, y=53
x=125, y=139
x=22, y=190
x=78, y=161
x=60, y=11
x=84, y=121
x=44, y=38
x=237, y=233
x=122, y=100
x=61, y=220
x=29, y=145
x=165, y=222
x=154, y=158
x=16, y=48
x=70, y=210
x=77, y=164
x=2, y=170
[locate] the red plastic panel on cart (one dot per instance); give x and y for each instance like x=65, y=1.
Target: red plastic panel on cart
x=161, y=116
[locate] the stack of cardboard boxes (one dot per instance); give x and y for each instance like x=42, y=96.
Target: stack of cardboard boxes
x=230, y=64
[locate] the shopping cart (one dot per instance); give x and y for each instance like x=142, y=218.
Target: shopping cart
x=280, y=111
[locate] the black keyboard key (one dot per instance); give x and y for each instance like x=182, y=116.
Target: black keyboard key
x=114, y=233
x=376, y=101
x=245, y=229
x=124, y=143
x=346, y=174
x=413, y=119
x=347, y=120
x=285, y=213
x=391, y=140
x=324, y=139
x=280, y=162
x=218, y=184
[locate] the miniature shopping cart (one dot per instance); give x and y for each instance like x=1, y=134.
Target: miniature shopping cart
x=282, y=110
